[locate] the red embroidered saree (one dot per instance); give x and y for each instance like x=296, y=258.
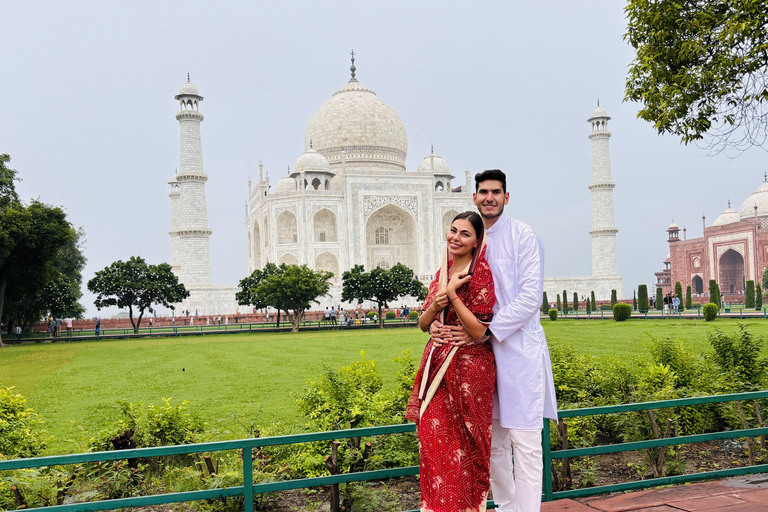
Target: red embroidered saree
x=455, y=428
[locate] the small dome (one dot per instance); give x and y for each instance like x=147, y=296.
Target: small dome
x=285, y=184
x=673, y=227
x=598, y=112
x=434, y=164
x=666, y=260
x=729, y=216
x=312, y=161
x=189, y=88
x=758, y=198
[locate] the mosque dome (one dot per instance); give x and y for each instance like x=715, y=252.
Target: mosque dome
x=729, y=216
x=285, y=184
x=189, y=88
x=358, y=123
x=434, y=164
x=758, y=198
x=312, y=161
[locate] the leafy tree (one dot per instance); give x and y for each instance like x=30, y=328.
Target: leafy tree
x=614, y=299
x=679, y=293
x=248, y=294
x=688, y=301
x=714, y=296
x=749, y=295
x=589, y=306
x=700, y=69
x=559, y=305
x=765, y=278
x=575, y=301
x=544, y=304
x=134, y=284
x=659, y=298
x=634, y=300
x=294, y=288
x=758, y=298
x=381, y=286
x=642, y=298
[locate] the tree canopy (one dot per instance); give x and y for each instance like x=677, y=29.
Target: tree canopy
x=381, y=286
x=286, y=288
x=135, y=284
x=700, y=69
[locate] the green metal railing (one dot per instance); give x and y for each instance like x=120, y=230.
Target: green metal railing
x=249, y=489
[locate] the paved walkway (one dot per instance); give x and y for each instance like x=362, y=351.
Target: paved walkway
x=742, y=494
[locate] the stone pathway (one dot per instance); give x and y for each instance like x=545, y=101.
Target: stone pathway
x=742, y=494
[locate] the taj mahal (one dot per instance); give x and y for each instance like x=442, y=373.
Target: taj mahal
x=350, y=200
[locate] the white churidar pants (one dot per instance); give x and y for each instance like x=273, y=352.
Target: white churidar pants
x=516, y=488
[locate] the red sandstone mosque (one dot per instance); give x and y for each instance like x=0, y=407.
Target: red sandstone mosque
x=733, y=250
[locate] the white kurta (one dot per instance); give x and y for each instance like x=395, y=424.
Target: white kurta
x=525, y=390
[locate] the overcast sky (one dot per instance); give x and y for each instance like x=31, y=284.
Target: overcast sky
x=88, y=116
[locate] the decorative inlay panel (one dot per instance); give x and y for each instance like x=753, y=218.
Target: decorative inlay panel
x=407, y=203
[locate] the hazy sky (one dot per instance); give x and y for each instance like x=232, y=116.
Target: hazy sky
x=88, y=116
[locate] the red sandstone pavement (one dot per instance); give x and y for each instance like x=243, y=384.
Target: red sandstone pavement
x=742, y=494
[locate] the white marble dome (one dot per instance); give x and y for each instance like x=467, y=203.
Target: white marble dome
x=359, y=123
x=312, y=161
x=760, y=198
x=434, y=164
x=673, y=226
x=729, y=216
x=189, y=88
x=598, y=112
x=285, y=184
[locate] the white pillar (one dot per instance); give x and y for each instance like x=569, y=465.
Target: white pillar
x=603, y=232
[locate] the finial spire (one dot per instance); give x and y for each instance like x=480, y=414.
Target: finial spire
x=598, y=102
x=765, y=176
x=187, y=77
x=310, y=143
x=352, y=68
x=729, y=203
x=432, y=149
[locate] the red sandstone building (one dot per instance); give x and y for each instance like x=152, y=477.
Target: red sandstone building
x=733, y=250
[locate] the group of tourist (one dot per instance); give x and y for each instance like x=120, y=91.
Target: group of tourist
x=671, y=303
x=54, y=326
x=485, y=383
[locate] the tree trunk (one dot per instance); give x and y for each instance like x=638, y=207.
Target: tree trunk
x=138, y=323
x=297, y=316
x=278, y=319
x=3, y=283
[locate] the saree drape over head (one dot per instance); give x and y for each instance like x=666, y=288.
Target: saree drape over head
x=455, y=428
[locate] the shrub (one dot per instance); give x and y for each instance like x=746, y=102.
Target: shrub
x=759, y=297
x=21, y=433
x=589, y=306
x=575, y=301
x=553, y=314
x=714, y=296
x=738, y=356
x=688, y=301
x=565, y=301
x=390, y=315
x=614, y=299
x=749, y=295
x=594, y=304
x=634, y=300
x=606, y=307
x=371, y=314
x=710, y=311
x=679, y=293
x=559, y=304
x=659, y=298
x=413, y=315
x=544, y=303
x=642, y=298
x=621, y=311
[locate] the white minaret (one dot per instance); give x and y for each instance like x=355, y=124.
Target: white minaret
x=190, y=254
x=603, y=232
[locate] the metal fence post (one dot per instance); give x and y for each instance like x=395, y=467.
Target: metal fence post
x=248, y=478
x=547, y=459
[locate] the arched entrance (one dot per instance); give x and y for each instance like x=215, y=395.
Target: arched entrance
x=390, y=238
x=698, y=284
x=732, y=271
x=256, y=246
x=325, y=226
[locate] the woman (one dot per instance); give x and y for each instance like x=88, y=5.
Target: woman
x=452, y=398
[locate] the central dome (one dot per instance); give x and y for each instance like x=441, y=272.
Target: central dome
x=758, y=198
x=355, y=125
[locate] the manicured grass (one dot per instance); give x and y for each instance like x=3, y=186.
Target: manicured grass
x=238, y=379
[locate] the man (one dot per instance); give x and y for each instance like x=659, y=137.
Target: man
x=525, y=391
x=675, y=303
x=17, y=332
x=327, y=315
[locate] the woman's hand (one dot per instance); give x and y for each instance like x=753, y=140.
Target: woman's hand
x=456, y=281
x=441, y=301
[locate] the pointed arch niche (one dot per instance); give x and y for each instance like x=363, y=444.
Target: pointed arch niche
x=325, y=226
x=287, y=231
x=256, y=246
x=390, y=238
x=329, y=263
x=731, y=272
x=288, y=259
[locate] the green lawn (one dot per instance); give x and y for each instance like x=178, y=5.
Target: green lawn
x=250, y=378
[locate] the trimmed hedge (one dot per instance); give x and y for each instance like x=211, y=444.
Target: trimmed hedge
x=710, y=311
x=390, y=315
x=621, y=311
x=413, y=315
x=553, y=314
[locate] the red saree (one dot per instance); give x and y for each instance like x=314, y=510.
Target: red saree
x=455, y=429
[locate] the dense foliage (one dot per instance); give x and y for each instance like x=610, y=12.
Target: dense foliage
x=553, y=314
x=688, y=301
x=614, y=298
x=575, y=301
x=710, y=311
x=135, y=284
x=544, y=303
x=758, y=298
x=21, y=433
x=381, y=286
x=679, y=294
x=700, y=69
x=642, y=298
x=565, y=302
x=621, y=311
x=714, y=293
x=749, y=294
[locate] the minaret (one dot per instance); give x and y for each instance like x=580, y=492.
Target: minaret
x=603, y=230
x=190, y=254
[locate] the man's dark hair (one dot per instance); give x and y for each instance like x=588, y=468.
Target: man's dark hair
x=491, y=174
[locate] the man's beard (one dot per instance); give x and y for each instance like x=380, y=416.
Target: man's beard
x=489, y=217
